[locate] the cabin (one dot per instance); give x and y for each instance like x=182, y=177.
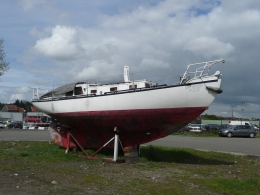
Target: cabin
x=94, y=89
x=83, y=88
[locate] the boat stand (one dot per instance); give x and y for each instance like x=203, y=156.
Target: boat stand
x=92, y=157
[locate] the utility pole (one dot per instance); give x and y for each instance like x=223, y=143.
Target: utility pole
x=243, y=103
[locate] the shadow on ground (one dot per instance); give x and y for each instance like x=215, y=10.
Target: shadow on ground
x=184, y=156
x=174, y=155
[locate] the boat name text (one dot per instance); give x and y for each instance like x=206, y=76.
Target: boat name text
x=194, y=88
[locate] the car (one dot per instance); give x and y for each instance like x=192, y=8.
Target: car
x=2, y=125
x=197, y=128
x=239, y=131
x=224, y=126
x=256, y=127
x=29, y=125
x=183, y=129
x=214, y=127
x=15, y=125
x=5, y=123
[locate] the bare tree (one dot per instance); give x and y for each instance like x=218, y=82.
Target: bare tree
x=4, y=66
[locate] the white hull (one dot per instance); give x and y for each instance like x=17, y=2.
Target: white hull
x=195, y=95
x=140, y=110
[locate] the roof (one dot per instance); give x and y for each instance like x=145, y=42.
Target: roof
x=11, y=107
x=21, y=109
x=34, y=109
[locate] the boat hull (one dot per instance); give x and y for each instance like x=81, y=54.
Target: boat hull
x=140, y=116
x=136, y=127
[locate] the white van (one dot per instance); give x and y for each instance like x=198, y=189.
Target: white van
x=239, y=123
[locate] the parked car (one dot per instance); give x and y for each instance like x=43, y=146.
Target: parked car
x=214, y=127
x=6, y=123
x=196, y=128
x=239, y=131
x=29, y=125
x=256, y=127
x=2, y=125
x=183, y=129
x=224, y=126
x=15, y=125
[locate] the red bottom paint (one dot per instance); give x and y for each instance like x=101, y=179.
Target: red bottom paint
x=94, y=129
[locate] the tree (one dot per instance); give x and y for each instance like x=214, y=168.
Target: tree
x=210, y=117
x=4, y=66
x=17, y=103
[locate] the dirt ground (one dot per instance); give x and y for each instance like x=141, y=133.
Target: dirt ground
x=81, y=178
x=43, y=169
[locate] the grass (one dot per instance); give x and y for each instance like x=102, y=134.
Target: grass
x=194, y=134
x=44, y=168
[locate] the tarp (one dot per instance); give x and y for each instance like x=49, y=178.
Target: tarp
x=32, y=120
x=59, y=91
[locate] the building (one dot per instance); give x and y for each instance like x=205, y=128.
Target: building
x=10, y=112
x=11, y=108
x=11, y=116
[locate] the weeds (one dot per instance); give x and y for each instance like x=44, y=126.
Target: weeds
x=44, y=168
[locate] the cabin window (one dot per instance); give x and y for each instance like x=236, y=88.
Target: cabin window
x=93, y=91
x=113, y=89
x=78, y=90
x=147, y=85
x=132, y=86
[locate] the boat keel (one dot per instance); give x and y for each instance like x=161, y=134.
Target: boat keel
x=58, y=134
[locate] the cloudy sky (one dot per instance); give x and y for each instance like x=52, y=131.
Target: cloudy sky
x=53, y=42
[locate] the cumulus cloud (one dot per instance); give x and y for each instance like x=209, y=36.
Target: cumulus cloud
x=61, y=45
x=3, y=94
x=17, y=96
x=89, y=72
x=40, y=34
x=146, y=36
x=240, y=6
x=23, y=89
x=156, y=31
x=152, y=63
x=209, y=47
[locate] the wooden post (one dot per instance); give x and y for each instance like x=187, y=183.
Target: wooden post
x=131, y=154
